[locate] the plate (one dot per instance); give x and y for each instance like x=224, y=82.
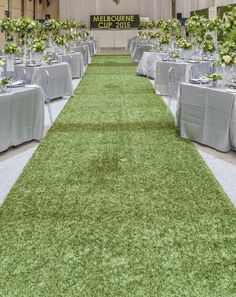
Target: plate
x=231, y=91
x=192, y=61
x=16, y=84
x=33, y=65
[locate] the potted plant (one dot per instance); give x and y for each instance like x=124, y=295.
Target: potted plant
x=4, y=82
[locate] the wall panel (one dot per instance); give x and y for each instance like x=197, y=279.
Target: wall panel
x=82, y=9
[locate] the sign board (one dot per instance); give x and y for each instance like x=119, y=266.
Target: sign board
x=118, y=22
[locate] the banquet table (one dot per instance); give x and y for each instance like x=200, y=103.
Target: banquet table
x=60, y=80
x=21, y=116
x=207, y=115
x=84, y=49
x=186, y=71
x=92, y=47
x=76, y=62
x=130, y=42
x=147, y=64
x=139, y=50
x=135, y=43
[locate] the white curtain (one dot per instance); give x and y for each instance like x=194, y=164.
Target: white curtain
x=82, y=9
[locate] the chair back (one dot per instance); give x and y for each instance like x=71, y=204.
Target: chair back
x=20, y=74
x=174, y=82
x=42, y=80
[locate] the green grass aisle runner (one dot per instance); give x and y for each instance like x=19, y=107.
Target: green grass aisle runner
x=114, y=203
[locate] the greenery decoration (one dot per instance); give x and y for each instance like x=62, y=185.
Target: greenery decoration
x=37, y=46
x=5, y=81
x=213, y=77
x=227, y=54
x=11, y=49
x=7, y=25
x=68, y=24
x=165, y=39
x=51, y=25
x=208, y=46
x=115, y=203
x=184, y=44
x=60, y=40
x=26, y=26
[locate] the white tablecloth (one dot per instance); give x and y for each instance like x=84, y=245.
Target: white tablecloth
x=207, y=115
x=185, y=70
x=147, y=64
x=92, y=47
x=21, y=116
x=76, y=63
x=60, y=80
x=84, y=49
x=139, y=50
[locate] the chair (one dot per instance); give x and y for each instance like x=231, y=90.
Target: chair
x=174, y=83
x=20, y=74
x=42, y=80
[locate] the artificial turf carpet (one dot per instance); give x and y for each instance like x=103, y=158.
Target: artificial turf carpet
x=114, y=203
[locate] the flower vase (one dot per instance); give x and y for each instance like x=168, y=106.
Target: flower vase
x=3, y=88
x=61, y=49
x=186, y=54
x=10, y=61
x=213, y=83
x=38, y=58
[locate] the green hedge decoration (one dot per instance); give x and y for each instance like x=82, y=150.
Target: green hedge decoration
x=201, y=12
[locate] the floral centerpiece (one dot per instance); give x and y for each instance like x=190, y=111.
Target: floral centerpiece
x=227, y=56
x=59, y=40
x=68, y=24
x=11, y=49
x=213, y=78
x=7, y=25
x=37, y=46
x=48, y=59
x=26, y=26
x=154, y=35
x=184, y=44
x=208, y=46
x=4, y=82
x=51, y=25
x=146, y=25
x=165, y=39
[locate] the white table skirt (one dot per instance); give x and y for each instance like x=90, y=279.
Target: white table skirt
x=147, y=65
x=92, y=47
x=207, y=115
x=21, y=116
x=76, y=63
x=60, y=79
x=139, y=50
x=84, y=49
x=185, y=70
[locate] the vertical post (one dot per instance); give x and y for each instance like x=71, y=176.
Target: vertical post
x=34, y=9
x=22, y=7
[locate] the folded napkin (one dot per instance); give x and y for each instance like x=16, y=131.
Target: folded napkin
x=16, y=84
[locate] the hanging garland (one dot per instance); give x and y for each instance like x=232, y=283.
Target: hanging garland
x=116, y=1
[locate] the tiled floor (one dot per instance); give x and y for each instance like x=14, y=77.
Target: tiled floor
x=12, y=162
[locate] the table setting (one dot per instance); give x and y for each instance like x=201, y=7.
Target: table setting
x=24, y=60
